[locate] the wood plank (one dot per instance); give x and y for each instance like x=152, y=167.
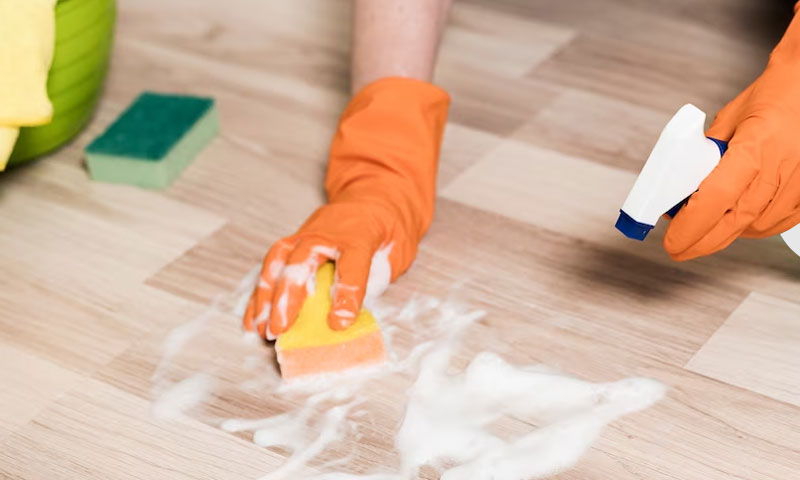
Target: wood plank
x=498, y=43
x=29, y=384
x=555, y=107
x=597, y=128
x=580, y=198
x=543, y=187
x=662, y=80
x=756, y=349
x=99, y=432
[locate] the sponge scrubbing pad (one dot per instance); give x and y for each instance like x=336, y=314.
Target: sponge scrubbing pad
x=153, y=140
x=312, y=347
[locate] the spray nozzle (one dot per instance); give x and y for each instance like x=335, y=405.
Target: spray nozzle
x=680, y=160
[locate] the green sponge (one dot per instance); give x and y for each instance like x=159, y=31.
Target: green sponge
x=153, y=140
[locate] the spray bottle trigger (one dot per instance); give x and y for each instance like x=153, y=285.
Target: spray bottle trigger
x=674, y=210
x=723, y=147
x=721, y=144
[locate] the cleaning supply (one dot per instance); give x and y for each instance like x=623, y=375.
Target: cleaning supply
x=381, y=184
x=84, y=33
x=8, y=137
x=311, y=346
x=755, y=189
x=680, y=160
x=153, y=140
x=27, y=33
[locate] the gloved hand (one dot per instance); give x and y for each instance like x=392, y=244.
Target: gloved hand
x=755, y=189
x=381, y=183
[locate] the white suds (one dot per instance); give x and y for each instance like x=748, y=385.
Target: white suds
x=344, y=313
x=244, y=290
x=177, y=339
x=182, y=396
x=448, y=416
x=298, y=273
x=329, y=253
x=274, y=268
x=299, y=431
x=263, y=315
x=283, y=305
x=331, y=429
x=380, y=274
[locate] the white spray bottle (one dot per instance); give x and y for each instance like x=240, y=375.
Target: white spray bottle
x=680, y=160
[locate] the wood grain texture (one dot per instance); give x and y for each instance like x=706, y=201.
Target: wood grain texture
x=27, y=390
x=555, y=107
x=756, y=348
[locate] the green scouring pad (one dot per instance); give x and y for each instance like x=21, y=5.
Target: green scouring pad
x=153, y=140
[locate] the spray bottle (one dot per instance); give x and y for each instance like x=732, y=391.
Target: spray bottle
x=680, y=160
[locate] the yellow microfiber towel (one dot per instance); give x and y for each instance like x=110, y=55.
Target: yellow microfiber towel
x=8, y=136
x=27, y=38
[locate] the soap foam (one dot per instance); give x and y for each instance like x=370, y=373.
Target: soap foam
x=332, y=429
x=380, y=274
x=182, y=396
x=299, y=431
x=448, y=415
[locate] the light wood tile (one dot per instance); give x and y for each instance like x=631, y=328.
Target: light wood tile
x=555, y=107
x=217, y=263
x=109, y=228
x=271, y=39
x=498, y=43
x=595, y=127
x=546, y=188
x=608, y=294
x=580, y=198
x=462, y=147
x=29, y=383
x=756, y=349
x=485, y=101
x=663, y=78
x=64, y=440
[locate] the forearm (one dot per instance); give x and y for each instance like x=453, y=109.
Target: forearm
x=396, y=38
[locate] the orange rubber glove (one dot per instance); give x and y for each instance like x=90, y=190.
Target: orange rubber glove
x=755, y=189
x=381, y=184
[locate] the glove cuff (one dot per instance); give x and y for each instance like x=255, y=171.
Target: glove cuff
x=386, y=149
x=415, y=90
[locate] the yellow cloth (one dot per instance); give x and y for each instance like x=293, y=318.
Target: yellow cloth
x=8, y=136
x=27, y=38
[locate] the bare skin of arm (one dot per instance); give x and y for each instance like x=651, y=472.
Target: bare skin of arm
x=396, y=38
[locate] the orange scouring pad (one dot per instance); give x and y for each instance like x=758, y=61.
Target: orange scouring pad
x=311, y=346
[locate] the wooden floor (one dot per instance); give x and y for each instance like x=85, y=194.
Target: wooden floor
x=555, y=108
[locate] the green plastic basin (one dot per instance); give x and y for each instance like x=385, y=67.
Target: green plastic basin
x=84, y=37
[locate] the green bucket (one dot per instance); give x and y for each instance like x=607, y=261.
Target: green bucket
x=84, y=37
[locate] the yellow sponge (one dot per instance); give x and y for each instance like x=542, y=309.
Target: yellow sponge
x=312, y=347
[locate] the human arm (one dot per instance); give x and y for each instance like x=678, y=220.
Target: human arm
x=381, y=172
